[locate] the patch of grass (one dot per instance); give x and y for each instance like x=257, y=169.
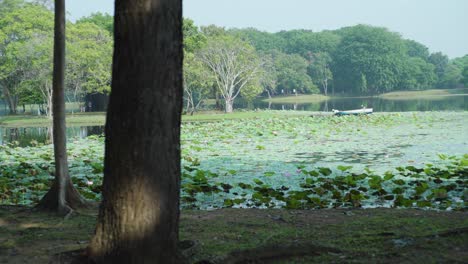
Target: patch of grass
x=77, y=119
x=426, y=94
x=300, y=99
x=363, y=236
x=98, y=118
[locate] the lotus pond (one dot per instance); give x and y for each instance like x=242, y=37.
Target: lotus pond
x=383, y=160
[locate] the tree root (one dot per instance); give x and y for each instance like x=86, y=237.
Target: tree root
x=73, y=201
x=270, y=253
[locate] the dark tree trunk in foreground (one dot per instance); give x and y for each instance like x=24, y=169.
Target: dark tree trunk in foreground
x=139, y=215
x=62, y=196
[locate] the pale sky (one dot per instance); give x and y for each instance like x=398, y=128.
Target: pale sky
x=442, y=25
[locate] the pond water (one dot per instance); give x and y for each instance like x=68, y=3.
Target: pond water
x=24, y=136
x=27, y=136
x=446, y=103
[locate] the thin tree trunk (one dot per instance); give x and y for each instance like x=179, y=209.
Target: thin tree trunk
x=229, y=105
x=62, y=197
x=11, y=100
x=325, y=87
x=139, y=215
x=216, y=93
x=50, y=104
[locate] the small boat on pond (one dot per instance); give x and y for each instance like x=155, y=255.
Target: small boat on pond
x=362, y=111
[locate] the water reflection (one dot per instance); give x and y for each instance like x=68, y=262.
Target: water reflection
x=448, y=103
x=27, y=136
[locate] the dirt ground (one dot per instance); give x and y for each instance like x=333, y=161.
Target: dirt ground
x=263, y=236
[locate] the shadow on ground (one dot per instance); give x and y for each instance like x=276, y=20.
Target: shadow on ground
x=265, y=236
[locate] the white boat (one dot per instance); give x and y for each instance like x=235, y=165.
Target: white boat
x=362, y=111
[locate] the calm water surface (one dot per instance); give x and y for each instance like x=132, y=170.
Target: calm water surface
x=27, y=136
x=447, y=103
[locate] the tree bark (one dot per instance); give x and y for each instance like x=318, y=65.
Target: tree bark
x=139, y=215
x=62, y=196
x=229, y=105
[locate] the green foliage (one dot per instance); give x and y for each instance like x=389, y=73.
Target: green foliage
x=89, y=59
x=416, y=49
x=320, y=70
x=465, y=76
x=306, y=42
x=26, y=33
x=198, y=82
x=234, y=64
x=462, y=65
x=451, y=77
x=193, y=39
x=292, y=74
x=262, y=41
x=418, y=74
x=25, y=37
x=372, y=52
x=103, y=21
x=440, y=62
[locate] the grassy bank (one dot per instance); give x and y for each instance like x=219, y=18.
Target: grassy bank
x=285, y=236
x=98, y=118
x=77, y=119
x=303, y=98
x=426, y=94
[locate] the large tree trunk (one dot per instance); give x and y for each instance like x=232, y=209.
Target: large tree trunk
x=139, y=215
x=62, y=197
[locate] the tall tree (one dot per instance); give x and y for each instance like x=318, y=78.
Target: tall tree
x=19, y=24
x=319, y=70
x=440, y=62
x=35, y=55
x=62, y=196
x=417, y=74
x=464, y=79
x=138, y=217
x=197, y=82
x=193, y=38
x=89, y=60
x=372, y=52
x=234, y=63
x=292, y=74
x=452, y=76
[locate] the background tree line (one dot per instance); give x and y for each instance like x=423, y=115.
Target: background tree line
x=221, y=64
x=26, y=46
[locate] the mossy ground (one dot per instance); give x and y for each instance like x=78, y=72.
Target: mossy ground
x=352, y=236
